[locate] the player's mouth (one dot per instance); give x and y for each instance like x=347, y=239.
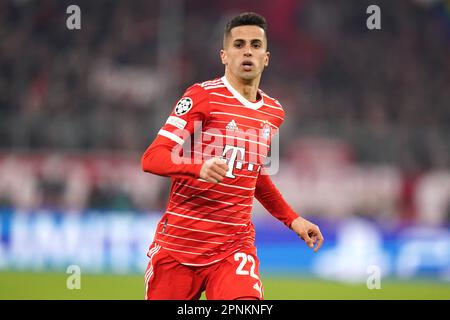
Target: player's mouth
x=247, y=65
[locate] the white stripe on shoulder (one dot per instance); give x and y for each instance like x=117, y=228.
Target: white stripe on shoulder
x=171, y=136
x=273, y=107
x=267, y=96
x=277, y=104
x=211, y=82
x=222, y=95
x=214, y=87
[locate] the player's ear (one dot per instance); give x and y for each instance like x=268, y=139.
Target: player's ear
x=266, y=59
x=223, y=56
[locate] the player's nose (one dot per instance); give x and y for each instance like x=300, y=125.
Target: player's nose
x=248, y=51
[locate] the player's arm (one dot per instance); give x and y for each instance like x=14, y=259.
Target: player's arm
x=270, y=197
x=158, y=159
x=163, y=157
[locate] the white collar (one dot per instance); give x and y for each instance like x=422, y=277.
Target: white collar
x=244, y=101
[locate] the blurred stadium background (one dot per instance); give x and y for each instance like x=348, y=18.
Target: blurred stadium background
x=365, y=148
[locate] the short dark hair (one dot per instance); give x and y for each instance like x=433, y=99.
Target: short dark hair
x=246, y=19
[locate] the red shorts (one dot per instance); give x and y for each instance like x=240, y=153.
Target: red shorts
x=236, y=276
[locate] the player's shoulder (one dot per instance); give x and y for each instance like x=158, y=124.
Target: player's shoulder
x=209, y=85
x=270, y=101
x=205, y=87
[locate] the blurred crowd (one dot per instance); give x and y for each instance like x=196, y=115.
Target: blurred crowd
x=385, y=93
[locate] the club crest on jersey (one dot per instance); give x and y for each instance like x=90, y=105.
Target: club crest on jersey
x=266, y=130
x=183, y=106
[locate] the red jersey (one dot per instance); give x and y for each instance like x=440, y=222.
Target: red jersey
x=205, y=222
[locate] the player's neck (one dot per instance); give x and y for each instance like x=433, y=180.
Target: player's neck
x=248, y=89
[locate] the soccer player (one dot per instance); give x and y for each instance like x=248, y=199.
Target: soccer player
x=205, y=239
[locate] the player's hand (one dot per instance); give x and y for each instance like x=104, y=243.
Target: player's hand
x=309, y=232
x=214, y=170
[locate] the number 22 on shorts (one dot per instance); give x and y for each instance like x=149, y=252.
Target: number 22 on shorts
x=244, y=258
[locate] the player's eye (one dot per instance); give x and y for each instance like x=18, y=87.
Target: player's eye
x=238, y=44
x=256, y=45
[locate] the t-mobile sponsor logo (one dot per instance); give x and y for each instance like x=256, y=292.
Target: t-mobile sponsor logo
x=235, y=152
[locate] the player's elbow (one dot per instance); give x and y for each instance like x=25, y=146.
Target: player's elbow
x=155, y=159
x=148, y=161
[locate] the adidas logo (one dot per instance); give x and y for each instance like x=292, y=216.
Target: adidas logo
x=232, y=126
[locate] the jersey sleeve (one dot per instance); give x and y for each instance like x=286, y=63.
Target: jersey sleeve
x=163, y=157
x=266, y=192
x=270, y=197
x=191, y=111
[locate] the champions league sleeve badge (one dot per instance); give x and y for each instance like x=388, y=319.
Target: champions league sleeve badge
x=183, y=106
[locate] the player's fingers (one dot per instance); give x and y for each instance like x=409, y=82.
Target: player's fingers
x=317, y=237
x=221, y=164
x=307, y=239
x=218, y=169
x=210, y=179
x=319, y=241
x=215, y=176
x=314, y=233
